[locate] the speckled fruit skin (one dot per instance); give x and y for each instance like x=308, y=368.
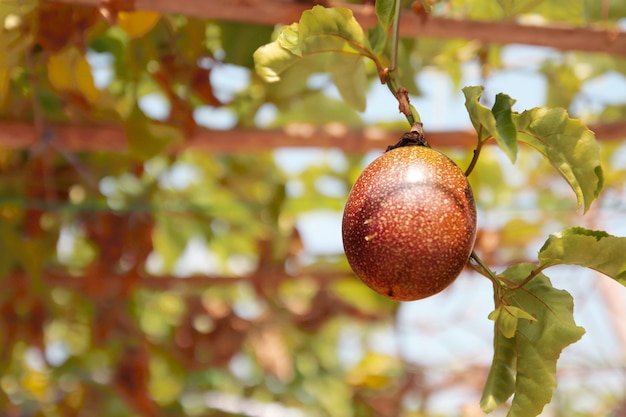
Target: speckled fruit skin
x=409, y=223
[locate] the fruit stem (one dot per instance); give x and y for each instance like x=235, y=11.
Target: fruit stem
x=484, y=270
x=402, y=95
x=413, y=138
x=472, y=164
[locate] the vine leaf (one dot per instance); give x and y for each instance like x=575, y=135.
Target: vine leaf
x=567, y=143
x=405, y=67
x=536, y=344
x=507, y=317
x=385, y=11
x=273, y=58
x=69, y=71
x=322, y=31
x=500, y=384
x=507, y=132
x=239, y=40
x=569, y=146
x=349, y=76
x=147, y=138
x=137, y=23
x=496, y=123
x=377, y=37
x=597, y=250
x=331, y=29
x=288, y=38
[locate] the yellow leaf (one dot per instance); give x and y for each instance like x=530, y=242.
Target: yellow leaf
x=374, y=371
x=4, y=85
x=69, y=71
x=61, y=69
x=37, y=384
x=166, y=382
x=137, y=23
x=84, y=80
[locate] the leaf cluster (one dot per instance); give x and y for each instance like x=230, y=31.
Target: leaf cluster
x=533, y=321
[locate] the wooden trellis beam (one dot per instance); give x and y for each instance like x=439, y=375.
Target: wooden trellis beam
x=81, y=138
x=271, y=12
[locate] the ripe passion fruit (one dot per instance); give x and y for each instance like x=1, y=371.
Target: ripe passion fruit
x=409, y=223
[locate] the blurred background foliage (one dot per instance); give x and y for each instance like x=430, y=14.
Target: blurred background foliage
x=159, y=280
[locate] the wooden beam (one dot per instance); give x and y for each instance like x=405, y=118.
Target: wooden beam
x=81, y=138
x=272, y=12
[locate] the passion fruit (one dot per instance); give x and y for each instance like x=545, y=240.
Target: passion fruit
x=409, y=223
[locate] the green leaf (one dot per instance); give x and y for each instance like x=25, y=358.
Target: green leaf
x=561, y=93
x=506, y=318
x=10, y=241
x=406, y=71
x=377, y=37
x=500, y=384
x=191, y=40
x=320, y=30
x=147, y=138
x=288, y=38
x=5, y=80
x=538, y=343
x=291, y=87
x=495, y=123
x=569, y=146
x=348, y=72
x=480, y=115
x=597, y=250
x=594, y=11
x=384, y=11
x=171, y=235
x=352, y=292
x=324, y=108
x=33, y=256
x=507, y=132
x=240, y=41
x=271, y=60
x=332, y=29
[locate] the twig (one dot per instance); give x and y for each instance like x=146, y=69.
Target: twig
x=485, y=270
x=472, y=164
x=387, y=74
x=395, y=36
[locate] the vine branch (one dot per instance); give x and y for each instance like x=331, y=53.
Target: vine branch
x=484, y=270
x=474, y=160
x=395, y=36
x=387, y=76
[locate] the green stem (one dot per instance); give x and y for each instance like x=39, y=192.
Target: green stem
x=472, y=164
x=485, y=269
x=395, y=36
x=400, y=93
x=387, y=74
x=415, y=115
